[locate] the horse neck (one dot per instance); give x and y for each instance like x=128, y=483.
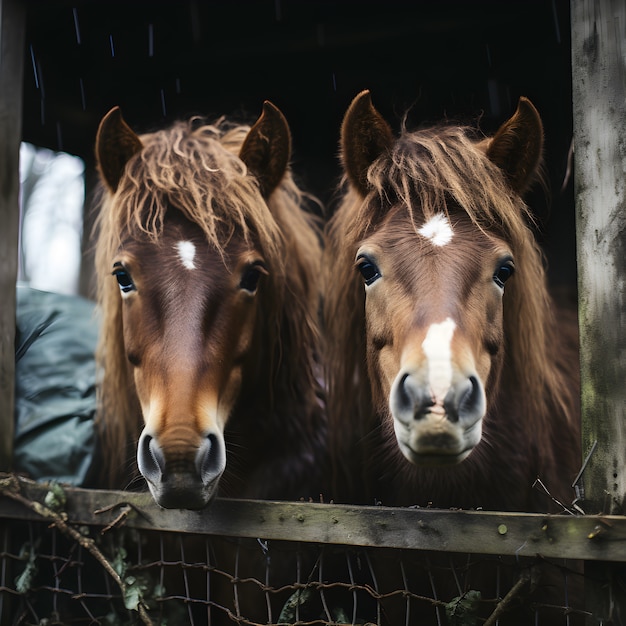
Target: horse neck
x=279, y=415
x=281, y=383
x=277, y=431
x=350, y=408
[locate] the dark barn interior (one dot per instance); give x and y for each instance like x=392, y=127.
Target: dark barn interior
x=466, y=61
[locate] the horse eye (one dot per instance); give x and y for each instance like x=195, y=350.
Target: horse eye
x=124, y=280
x=504, y=272
x=369, y=270
x=250, y=278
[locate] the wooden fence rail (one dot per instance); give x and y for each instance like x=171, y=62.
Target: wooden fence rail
x=586, y=537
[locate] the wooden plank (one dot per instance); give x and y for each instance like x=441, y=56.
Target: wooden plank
x=599, y=95
x=12, y=21
x=599, y=99
x=600, y=538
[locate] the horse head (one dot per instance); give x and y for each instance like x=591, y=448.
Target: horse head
x=437, y=255
x=190, y=261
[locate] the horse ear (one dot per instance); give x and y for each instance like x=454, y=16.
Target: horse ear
x=517, y=147
x=266, y=150
x=365, y=135
x=116, y=143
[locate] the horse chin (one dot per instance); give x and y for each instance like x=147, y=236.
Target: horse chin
x=183, y=491
x=433, y=459
x=443, y=445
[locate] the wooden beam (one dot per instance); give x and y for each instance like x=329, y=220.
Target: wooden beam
x=12, y=23
x=601, y=538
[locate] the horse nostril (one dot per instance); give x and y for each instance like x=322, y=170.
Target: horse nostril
x=403, y=397
x=211, y=458
x=409, y=400
x=472, y=400
x=150, y=458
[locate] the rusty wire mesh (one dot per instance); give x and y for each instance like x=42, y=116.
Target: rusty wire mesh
x=46, y=578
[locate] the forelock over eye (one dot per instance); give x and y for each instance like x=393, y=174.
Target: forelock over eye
x=368, y=269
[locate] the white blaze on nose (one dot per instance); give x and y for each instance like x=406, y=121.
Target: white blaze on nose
x=438, y=351
x=186, y=252
x=437, y=230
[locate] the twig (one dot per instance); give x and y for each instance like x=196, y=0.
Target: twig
x=508, y=598
x=578, y=485
x=118, y=521
x=545, y=491
x=10, y=488
x=125, y=509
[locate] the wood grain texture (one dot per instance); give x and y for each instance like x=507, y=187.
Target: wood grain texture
x=599, y=98
x=601, y=538
x=12, y=24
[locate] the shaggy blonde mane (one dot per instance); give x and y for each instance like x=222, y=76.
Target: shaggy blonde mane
x=194, y=167
x=426, y=172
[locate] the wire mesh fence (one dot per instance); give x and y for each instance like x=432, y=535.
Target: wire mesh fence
x=80, y=556
x=49, y=578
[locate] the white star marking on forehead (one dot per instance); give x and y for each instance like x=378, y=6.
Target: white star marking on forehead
x=437, y=230
x=186, y=253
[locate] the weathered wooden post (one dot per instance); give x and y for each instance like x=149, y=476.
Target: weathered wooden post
x=599, y=100
x=599, y=95
x=12, y=22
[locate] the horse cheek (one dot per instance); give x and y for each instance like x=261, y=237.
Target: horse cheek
x=387, y=365
x=137, y=345
x=228, y=396
x=382, y=358
x=151, y=404
x=492, y=349
x=484, y=364
x=239, y=350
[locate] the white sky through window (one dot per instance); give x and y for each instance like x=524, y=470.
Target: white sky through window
x=52, y=195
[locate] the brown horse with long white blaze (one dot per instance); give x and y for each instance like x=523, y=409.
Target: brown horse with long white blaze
x=208, y=269
x=451, y=381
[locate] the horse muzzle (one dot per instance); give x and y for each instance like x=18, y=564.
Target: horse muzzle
x=182, y=477
x=437, y=429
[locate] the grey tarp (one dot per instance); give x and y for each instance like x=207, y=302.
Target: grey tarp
x=55, y=387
